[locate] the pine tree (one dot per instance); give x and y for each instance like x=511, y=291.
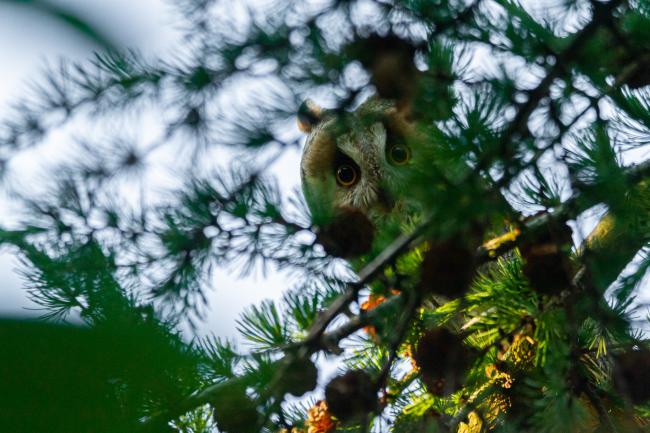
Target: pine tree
x=525, y=326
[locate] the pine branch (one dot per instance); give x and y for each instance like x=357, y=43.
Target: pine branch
x=488, y=252
x=413, y=301
x=372, y=269
x=311, y=343
x=318, y=339
x=517, y=128
x=159, y=422
x=602, y=411
x=71, y=19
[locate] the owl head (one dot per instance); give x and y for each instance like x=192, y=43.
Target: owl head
x=354, y=161
x=354, y=167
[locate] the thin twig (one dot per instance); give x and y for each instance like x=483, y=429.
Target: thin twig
x=366, y=274
x=603, y=416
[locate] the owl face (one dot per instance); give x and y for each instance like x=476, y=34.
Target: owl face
x=354, y=161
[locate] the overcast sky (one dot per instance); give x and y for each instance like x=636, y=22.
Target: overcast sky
x=28, y=42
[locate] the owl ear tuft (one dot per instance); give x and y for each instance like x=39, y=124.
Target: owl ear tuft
x=309, y=115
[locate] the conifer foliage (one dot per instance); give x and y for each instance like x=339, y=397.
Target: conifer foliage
x=485, y=306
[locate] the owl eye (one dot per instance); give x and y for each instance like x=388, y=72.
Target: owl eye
x=346, y=175
x=399, y=154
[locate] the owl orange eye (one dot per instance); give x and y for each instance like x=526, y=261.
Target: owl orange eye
x=346, y=175
x=399, y=154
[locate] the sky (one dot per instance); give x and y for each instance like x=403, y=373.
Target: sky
x=29, y=41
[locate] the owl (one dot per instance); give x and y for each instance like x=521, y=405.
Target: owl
x=352, y=169
x=357, y=171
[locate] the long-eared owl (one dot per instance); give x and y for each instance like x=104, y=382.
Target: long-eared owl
x=353, y=164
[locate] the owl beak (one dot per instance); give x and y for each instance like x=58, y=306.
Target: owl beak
x=349, y=234
x=385, y=200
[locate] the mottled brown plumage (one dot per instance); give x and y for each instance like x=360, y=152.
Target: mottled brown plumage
x=352, y=162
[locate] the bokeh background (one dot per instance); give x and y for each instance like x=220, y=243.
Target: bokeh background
x=33, y=41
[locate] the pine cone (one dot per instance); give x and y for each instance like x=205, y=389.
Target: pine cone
x=448, y=268
x=632, y=375
x=319, y=419
x=474, y=424
x=301, y=376
x=546, y=265
x=234, y=412
x=442, y=359
x=390, y=60
x=495, y=373
x=519, y=349
x=348, y=235
x=351, y=395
